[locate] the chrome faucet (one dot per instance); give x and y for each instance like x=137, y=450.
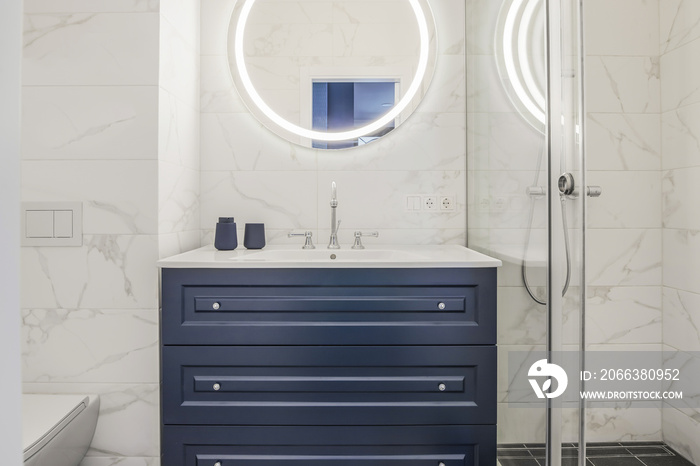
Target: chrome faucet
x=333, y=243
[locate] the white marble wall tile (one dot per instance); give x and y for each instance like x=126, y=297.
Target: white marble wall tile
x=681, y=71
x=390, y=236
x=477, y=142
x=688, y=381
x=90, y=6
x=108, y=271
x=372, y=40
x=128, y=423
x=305, y=12
x=623, y=424
x=280, y=199
x=170, y=244
x=623, y=142
x=623, y=84
x=178, y=132
x=521, y=321
x=284, y=40
x=630, y=199
x=680, y=130
x=178, y=198
x=237, y=141
x=215, y=16
x=108, y=208
x=502, y=200
x=426, y=141
x=447, y=88
x=622, y=27
x=450, y=16
x=358, y=191
x=681, y=319
x=513, y=391
x=119, y=461
x=628, y=257
x=521, y=424
x=183, y=15
x=680, y=187
x=630, y=314
x=217, y=91
x=85, y=345
x=681, y=265
x=90, y=122
x=485, y=92
x=481, y=18
x=178, y=60
x=376, y=12
x=679, y=25
x=90, y=49
x=681, y=432
x=514, y=144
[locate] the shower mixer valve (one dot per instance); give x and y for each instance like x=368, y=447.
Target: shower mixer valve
x=567, y=187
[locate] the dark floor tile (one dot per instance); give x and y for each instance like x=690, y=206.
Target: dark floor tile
x=650, y=450
x=665, y=461
x=538, y=452
x=616, y=461
x=518, y=462
x=603, y=444
x=510, y=445
x=569, y=452
x=606, y=451
x=514, y=453
x=534, y=445
x=641, y=444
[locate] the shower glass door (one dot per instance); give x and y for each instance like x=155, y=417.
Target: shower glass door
x=526, y=202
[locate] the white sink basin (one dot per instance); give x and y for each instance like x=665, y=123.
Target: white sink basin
x=290, y=257
x=325, y=255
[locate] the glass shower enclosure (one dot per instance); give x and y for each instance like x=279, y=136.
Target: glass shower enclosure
x=527, y=197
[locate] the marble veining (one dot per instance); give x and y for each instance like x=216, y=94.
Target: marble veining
x=680, y=23
x=36, y=27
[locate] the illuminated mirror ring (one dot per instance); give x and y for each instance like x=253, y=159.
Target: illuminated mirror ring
x=520, y=57
x=333, y=136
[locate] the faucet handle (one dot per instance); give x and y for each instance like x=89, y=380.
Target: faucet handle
x=358, y=238
x=308, y=243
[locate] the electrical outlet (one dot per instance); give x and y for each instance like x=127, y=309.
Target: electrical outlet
x=430, y=203
x=447, y=203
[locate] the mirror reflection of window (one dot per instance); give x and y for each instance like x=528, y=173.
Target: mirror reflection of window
x=342, y=106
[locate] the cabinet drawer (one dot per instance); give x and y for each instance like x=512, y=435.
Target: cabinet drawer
x=331, y=385
x=335, y=446
x=329, y=307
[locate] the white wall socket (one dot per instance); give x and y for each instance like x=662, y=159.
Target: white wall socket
x=447, y=203
x=430, y=202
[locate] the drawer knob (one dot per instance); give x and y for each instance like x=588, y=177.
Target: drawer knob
x=218, y=463
x=439, y=464
x=216, y=306
x=441, y=306
x=442, y=387
x=216, y=387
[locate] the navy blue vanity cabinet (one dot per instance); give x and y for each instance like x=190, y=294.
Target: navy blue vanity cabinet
x=340, y=367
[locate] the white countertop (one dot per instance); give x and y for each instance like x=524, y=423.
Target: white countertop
x=447, y=256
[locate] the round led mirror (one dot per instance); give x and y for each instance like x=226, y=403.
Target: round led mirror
x=332, y=75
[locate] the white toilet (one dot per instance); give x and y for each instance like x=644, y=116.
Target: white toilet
x=57, y=429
